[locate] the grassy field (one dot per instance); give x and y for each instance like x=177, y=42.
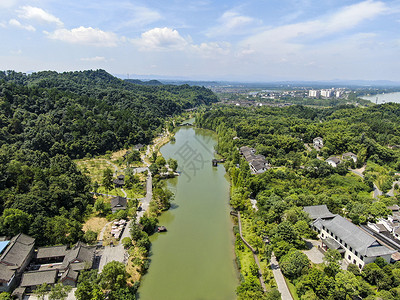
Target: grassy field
x=95, y=224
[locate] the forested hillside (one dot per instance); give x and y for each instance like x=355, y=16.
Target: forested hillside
x=47, y=119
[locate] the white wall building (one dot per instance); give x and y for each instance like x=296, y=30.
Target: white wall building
x=356, y=246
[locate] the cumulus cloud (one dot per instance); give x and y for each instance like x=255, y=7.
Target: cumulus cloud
x=85, y=36
x=38, y=14
x=161, y=39
x=232, y=22
x=168, y=39
x=212, y=49
x=16, y=23
x=95, y=59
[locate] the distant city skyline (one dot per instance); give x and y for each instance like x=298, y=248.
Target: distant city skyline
x=293, y=40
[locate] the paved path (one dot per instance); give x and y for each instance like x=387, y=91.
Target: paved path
x=114, y=166
x=391, y=192
x=254, y=255
x=376, y=190
x=101, y=235
x=280, y=280
x=145, y=202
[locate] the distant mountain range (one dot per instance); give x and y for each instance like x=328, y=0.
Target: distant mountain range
x=272, y=84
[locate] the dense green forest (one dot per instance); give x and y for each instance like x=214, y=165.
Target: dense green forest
x=47, y=119
x=300, y=177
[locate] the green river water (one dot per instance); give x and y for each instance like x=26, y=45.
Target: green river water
x=195, y=258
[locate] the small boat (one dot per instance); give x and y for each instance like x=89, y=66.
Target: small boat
x=161, y=229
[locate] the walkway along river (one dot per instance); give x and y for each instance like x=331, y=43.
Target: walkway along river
x=195, y=258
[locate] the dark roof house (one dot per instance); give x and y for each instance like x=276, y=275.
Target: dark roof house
x=18, y=252
x=51, y=254
x=79, y=257
x=118, y=203
x=120, y=181
x=31, y=280
x=258, y=164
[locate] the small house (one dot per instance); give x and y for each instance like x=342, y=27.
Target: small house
x=118, y=203
x=333, y=161
x=350, y=155
x=120, y=181
x=318, y=142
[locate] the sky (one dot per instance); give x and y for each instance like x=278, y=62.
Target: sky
x=247, y=40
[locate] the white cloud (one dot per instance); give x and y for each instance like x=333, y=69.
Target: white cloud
x=212, y=49
x=286, y=39
x=232, y=23
x=85, y=36
x=141, y=16
x=38, y=14
x=16, y=23
x=96, y=59
x=161, y=39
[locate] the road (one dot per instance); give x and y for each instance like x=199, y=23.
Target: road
x=280, y=280
x=376, y=190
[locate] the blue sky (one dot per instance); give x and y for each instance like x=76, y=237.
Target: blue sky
x=205, y=40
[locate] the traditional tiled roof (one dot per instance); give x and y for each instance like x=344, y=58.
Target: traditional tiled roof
x=353, y=236
x=335, y=159
x=39, y=277
x=50, y=252
x=70, y=274
x=80, y=253
x=17, y=251
x=318, y=211
x=119, y=202
x=6, y=273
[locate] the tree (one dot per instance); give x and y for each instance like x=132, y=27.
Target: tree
x=59, y=291
x=41, y=290
x=127, y=242
x=113, y=276
x=346, y=285
x=107, y=180
x=294, y=263
x=173, y=164
x=149, y=224
x=14, y=221
x=332, y=256
x=5, y=296
x=286, y=232
x=90, y=236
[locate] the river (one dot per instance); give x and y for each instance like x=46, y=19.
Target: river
x=195, y=258
x=383, y=98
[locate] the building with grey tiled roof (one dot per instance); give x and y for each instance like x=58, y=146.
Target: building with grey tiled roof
x=79, y=257
x=30, y=280
x=257, y=163
x=357, y=246
x=14, y=258
x=51, y=254
x=318, y=211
